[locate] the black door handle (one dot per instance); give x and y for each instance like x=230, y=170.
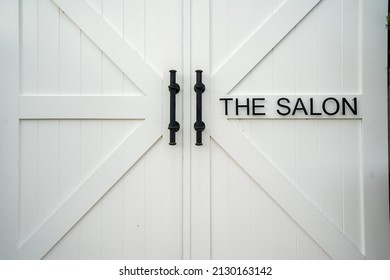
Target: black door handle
x=173, y=126
x=199, y=125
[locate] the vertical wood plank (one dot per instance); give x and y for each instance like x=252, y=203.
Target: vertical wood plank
x=91, y=142
x=331, y=193
x=219, y=203
x=91, y=145
x=350, y=43
x=262, y=205
x=48, y=52
x=112, y=223
x=112, y=135
x=91, y=67
x=261, y=81
x=284, y=65
x=134, y=34
x=352, y=185
x=262, y=224
x=200, y=156
x=9, y=127
x=134, y=24
x=306, y=53
x=284, y=149
x=48, y=167
x=239, y=212
x=153, y=40
x=91, y=62
x=219, y=46
x=29, y=47
x=112, y=77
x=307, y=162
x=284, y=61
x=69, y=84
x=28, y=178
x=187, y=122
x=239, y=23
x=112, y=201
x=70, y=131
x=91, y=153
x=262, y=75
x=48, y=131
x=69, y=56
x=91, y=234
x=174, y=184
x=70, y=152
x=239, y=29
x=134, y=212
x=329, y=47
x=153, y=203
x=261, y=136
x=172, y=210
x=285, y=243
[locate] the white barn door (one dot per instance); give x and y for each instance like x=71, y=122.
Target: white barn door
x=86, y=169
x=289, y=188
x=97, y=178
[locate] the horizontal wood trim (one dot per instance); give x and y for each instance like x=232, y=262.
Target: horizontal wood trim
x=89, y=107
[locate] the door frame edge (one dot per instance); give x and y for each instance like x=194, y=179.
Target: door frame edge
x=376, y=242
x=9, y=126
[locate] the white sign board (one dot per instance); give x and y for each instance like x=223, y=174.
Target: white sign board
x=291, y=106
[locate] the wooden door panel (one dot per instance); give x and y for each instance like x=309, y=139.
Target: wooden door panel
x=302, y=61
x=284, y=191
x=269, y=58
x=101, y=89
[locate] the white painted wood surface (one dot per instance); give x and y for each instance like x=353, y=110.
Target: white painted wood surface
x=200, y=157
x=322, y=160
x=187, y=133
x=250, y=51
x=110, y=40
x=88, y=107
x=97, y=179
x=85, y=130
x=9, y=127
x=376, y=230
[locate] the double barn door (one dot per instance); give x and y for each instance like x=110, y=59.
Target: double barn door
x=99, y=180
